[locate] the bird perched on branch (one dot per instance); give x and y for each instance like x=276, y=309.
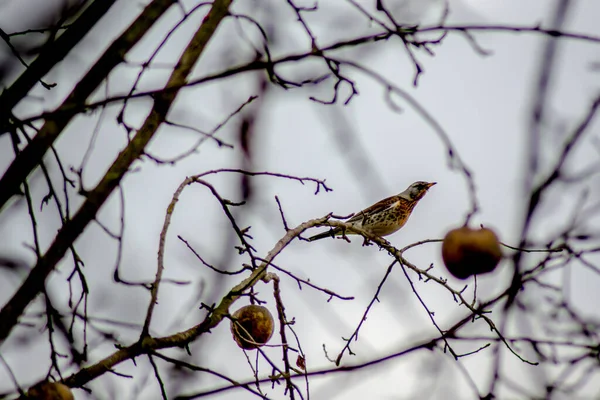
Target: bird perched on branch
x=385, y=217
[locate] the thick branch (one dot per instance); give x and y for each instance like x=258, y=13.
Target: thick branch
x=256, y=65
x=31, y=155
x=214, y=317
x=51, y=55
x=72, y=229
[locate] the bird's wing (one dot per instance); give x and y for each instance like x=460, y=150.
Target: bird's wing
x=375, y=208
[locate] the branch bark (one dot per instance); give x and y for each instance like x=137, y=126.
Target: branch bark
x=51, y=55
x=31, y=156
x=95, y=198
x=149, y=344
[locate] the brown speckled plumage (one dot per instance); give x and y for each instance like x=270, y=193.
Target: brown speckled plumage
x=386, y=216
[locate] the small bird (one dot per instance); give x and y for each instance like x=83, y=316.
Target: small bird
x=386, y=216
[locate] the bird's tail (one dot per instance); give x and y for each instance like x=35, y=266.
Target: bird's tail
x=329, y=233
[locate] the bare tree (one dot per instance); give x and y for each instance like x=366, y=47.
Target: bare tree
x=147, y=102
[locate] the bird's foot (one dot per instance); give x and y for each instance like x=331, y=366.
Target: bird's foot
x=367, y=242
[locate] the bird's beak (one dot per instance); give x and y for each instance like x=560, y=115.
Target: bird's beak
x=430, y=184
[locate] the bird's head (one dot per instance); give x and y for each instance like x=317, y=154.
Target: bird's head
x=417, y=190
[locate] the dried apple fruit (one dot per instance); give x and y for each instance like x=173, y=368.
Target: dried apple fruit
x=468, y=252
x=252, y=326
x=50, y=391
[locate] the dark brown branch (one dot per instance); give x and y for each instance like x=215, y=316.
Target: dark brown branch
x=214, y=317
x=457, y=294
x=301, y=281
x=320, y=183
x=375, y=298
x=193, y=367
x=220, y=271
x=283, y=323
x=163, y=392
x=95, y=199
x=256, y=65
x=423, y=345
x=50, y=56
x=430, y=313
x=31, y=155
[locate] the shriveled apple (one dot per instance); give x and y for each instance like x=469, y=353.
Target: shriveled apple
x=252, y=326
x=50, y=391
x=467, y=251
